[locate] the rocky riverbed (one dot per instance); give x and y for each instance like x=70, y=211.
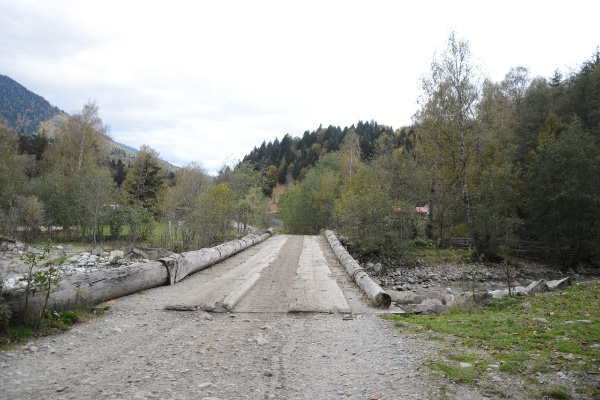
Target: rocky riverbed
x=70, y=259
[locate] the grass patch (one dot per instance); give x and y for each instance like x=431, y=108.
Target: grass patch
x=455, y=373
x=556, y=393
x=51, y=324
x=540, y=334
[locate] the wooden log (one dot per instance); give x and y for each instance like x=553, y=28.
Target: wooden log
x=374, y=292
x=94, y=287
x=99, y=286
x=188, y=263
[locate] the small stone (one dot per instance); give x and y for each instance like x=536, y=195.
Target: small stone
x=268, y=373
x=261, y=340
x=205, y=385
x=466, y=365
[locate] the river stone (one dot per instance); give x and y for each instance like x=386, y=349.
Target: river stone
x=559, y=284
x=406, y=297
x=428, y=306
x=537, y=287
x=499, y=294
x=434, y=305
x=115, y=256
x=479, y=298
x=520, y=291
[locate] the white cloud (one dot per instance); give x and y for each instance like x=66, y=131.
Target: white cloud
x=207, y=81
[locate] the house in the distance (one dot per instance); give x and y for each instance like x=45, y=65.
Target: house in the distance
x=273, y=206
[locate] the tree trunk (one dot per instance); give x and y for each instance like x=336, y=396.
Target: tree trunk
x=184, y=264
x=94, y=287
x=99, y=286
x=377, y=296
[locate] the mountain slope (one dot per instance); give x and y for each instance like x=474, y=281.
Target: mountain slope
x=22, y=109
x=28, y=113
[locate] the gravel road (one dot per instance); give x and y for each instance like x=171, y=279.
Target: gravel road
x=140, y=350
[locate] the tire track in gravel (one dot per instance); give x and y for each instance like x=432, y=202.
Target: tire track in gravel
x=272, y=292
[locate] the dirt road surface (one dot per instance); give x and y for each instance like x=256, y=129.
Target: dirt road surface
x=287, y=323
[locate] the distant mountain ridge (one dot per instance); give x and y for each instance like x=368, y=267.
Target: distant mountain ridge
x=26, y=112
x=22, y=109
x=126, y=147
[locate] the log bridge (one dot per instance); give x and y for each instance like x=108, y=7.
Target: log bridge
x=291, y=269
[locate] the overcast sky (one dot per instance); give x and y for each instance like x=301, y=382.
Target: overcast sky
x=206, y=81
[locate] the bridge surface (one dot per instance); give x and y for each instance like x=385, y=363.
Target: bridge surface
x=282, y=274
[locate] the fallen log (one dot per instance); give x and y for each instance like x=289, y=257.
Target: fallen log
x=111, y=283
x=188, y=263
x=93, y=287
x=377, y=296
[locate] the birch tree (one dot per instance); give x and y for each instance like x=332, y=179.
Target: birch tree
x=447, y=125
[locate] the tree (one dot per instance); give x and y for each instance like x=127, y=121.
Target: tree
x=497, y=115
x=144, y=184
x=95, y=191
x=12, y=175
x=214, y=213
x=58, y=193
x=291, y=209
x=30, y=216
x=363, y=208
x=447, y=117
x=308, y=206
x=562, y=182
x=119, y=172
x=350, y=153
x=251, y=210
x=190, y=182
x=531, y=116
x=77, y=142
x=181, y=199
x=88, y=125
x=496, y=210
x=405, y=187
x=240, y=178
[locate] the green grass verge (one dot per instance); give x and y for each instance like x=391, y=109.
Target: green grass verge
x=52, y=323
x=525, y=336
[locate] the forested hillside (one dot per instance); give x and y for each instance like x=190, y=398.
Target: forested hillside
x=289, y=160
x=512, y=165
x=22, y=109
